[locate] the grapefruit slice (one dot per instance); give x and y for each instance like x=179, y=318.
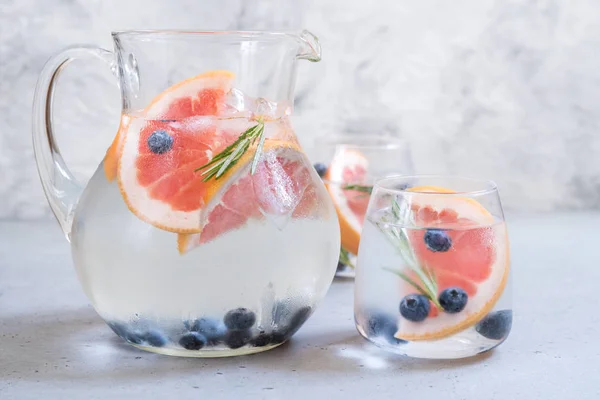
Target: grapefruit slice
x=158, y=154
x=158, y=185
x=348, y=167
x=477, y=261
x=281, y=188
x=164, y=189
x=203, y=94
x=200, y=95
x=111, y=159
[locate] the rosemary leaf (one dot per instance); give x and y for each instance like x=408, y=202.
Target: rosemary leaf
x=227, y=150
x=230, y=155
x=433, y=279
x=396, y=210
x=345, y=257
x=409, y=280
x=427, y=272
x=430, y=274
x=235, y=154
x=213, y=167
x=404, y=245
x=359, y=188
x=259, y=149
x=429, y=286
x=210, y=175
x=399, y=239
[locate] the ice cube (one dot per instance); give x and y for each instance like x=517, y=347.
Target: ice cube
x=263, y=107
x=271, y=110
x=194, y=123
x=278, y=190
x=239, y=104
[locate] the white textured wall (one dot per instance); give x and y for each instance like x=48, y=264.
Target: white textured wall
x=503, y=89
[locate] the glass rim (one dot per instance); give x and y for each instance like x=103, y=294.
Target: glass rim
x=384, y=183
x=376, y=142
x=191, y=32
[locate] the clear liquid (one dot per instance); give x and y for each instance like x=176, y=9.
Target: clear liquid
x=352, y=204
x=378, y=294
x=141, y=285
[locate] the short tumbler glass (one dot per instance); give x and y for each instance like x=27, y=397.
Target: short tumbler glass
x=433, y=272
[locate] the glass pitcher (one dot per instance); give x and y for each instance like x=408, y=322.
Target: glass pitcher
x=205, y=231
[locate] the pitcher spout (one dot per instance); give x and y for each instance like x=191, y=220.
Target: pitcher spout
x=310, y=48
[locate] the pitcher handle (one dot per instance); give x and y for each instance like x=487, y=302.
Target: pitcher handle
x=60, y=186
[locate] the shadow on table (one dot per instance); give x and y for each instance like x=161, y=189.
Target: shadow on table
x=77, y=344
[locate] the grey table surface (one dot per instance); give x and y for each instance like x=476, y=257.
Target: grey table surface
x=54, y=346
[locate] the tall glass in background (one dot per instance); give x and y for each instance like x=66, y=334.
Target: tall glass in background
x=349, y=166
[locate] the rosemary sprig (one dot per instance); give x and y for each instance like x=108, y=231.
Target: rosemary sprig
x=398, y=237
x=359, y=188
x=407, y=279
x=229, y=156
x=345, y=257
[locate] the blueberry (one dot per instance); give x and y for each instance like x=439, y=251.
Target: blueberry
x=192, y=341
x=239, y=319
x=437, y=240
x=382, y=325
x=287, y=328
x=279, y=336
x=118, y=328
x=321, y=169
x=377, y=324
x=237, y=339
x=495, y=325
x=212, y=329
x=414, y=307
x=154, y=338
x=300, y=317
x=281, y=312
x=160, y=142
x=204, y=325
x=453, y=300
x=262, y=339
x=295, y=322
x=134, y=337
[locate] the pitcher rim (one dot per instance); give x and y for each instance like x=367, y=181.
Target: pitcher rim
x=177, y=32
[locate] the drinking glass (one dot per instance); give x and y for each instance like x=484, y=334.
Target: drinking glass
x=433, y=273
x=349, y=164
